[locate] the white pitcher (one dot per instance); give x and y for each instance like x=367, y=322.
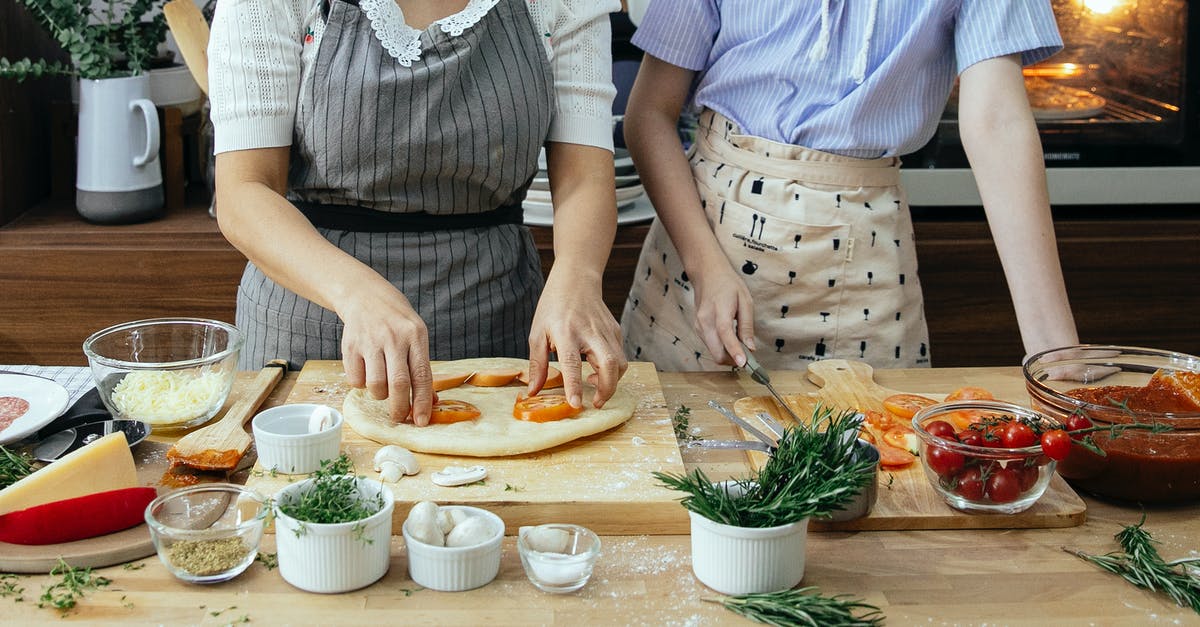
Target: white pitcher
x=118, y=177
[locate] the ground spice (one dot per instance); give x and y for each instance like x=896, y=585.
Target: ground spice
x=207, y=557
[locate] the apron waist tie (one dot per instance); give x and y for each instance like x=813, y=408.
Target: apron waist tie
x=363, y=220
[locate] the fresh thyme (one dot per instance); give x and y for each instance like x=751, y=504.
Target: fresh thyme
x=73, y=584
x=269, y=560
x=132, y=566
x=14, y=467
x=10, y=587
x=1140, y=564
x=802, y=606
x=508, y=487
x=811, y=473
x=333, y=497
x=681, y=423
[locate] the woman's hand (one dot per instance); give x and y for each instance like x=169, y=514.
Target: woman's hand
x=575, y=322
x=724, y=311
x=385, y=348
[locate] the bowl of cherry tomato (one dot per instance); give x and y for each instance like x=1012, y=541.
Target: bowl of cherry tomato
x=989, y=456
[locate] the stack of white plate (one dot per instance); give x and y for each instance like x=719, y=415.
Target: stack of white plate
x=632, y=203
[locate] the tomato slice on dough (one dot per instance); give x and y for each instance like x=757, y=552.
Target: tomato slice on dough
x=447, y=410
x=493, y=378
x=544, y=408
x=554, y=378
x=447, y=381
x=906, y=405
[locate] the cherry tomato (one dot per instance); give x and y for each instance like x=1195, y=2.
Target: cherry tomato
x=544, y=408
x=494, y=378
x=1017, y=434
x=972, y=437
x=1056, y=444
x=446, y=411
x=906, y=405
x=554, y=378
x=943, y=461
x=1003, y=485
x=1028, y=476
x=969, y=483
x=970, y=393
x=443, y=382
x=1076, y=422
x=941, y=429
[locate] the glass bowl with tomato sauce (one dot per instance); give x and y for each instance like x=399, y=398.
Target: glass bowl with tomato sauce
x=1115, y=395
x=985, y=456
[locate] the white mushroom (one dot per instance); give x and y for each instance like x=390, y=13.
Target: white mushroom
x=422, y=524
x=457, y=475
x=470, y=532
x=393, y=462
x=320, y=420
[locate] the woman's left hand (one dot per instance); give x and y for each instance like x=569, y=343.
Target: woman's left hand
x=573, y=321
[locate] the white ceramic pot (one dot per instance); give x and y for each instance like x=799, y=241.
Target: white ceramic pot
x=454, y=569
x=745, y=560
x=283, y=441
x=118, y=176
x=338, y=557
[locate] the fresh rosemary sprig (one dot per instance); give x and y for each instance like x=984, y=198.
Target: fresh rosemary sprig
x=802, y=606
x=73, y=584
x=1141, y=565
x=333, y=496
x=811, y=473
x=14, y=467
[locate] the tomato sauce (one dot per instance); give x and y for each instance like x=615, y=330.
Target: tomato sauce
x=1149, y=398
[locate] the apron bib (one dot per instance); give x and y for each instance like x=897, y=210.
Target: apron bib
x=824, y=243
x=417, y=171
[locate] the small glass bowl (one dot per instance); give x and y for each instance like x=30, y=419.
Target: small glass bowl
x=191, y=360
x=207, y=533
x=562, y=560
x=983, y=478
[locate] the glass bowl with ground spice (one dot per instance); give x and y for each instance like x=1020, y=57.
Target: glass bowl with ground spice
x=207, y=533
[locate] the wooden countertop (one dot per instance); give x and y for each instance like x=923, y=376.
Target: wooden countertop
x=926, y=577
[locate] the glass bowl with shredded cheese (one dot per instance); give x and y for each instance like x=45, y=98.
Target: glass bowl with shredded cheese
x=171, y=373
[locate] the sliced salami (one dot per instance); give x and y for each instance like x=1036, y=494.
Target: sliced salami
x=11, y=408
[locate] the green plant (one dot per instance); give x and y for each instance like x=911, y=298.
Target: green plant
x=333, y=497
x=1141, y=565
x=119, y=39
x=803, y=606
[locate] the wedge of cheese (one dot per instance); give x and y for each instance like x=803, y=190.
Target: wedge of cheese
x=103, y=465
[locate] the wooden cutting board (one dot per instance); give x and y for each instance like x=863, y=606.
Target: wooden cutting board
x=906, y=499
x=602, y=482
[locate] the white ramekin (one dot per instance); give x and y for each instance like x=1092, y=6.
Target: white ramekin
x=746, y=560
x=453, y=569
x=284, y=444
x=334, y=557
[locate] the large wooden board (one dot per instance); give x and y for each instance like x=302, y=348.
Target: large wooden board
x=906, y=499
x=602, y=482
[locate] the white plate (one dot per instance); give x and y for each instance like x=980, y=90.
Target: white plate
x=628, y=179
x=47, y=401
x=631, y=212
x=541, y=183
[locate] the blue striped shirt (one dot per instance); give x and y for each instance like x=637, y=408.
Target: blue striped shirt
x=757, y=67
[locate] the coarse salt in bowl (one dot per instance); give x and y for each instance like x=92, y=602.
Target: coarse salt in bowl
x=558, y=557
x=171, y=373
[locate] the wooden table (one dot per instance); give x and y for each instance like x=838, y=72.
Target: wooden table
x=916, y=577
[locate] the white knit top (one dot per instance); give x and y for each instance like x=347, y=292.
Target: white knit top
x=262, y=52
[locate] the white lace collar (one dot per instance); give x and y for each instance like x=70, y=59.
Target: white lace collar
x=402, y=41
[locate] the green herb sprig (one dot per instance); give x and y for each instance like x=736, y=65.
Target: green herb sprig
x=333, y=496
x=811, y=473
x=1139, y=563
x=802, y=606
x=1085, y=437
x=681, y=423
x=14, y=466
x=72, y=585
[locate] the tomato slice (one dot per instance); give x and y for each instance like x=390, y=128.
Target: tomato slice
x=907, y=405
x=865, y=434
x=493, y=378
x=448, y=410
x=970, y=393
x=544, y=408
x=877, y=420
x=901, y=437
x=893, y=458
x=447, y=381
x=554, y=378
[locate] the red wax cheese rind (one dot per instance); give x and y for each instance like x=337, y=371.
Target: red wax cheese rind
x=79, y=518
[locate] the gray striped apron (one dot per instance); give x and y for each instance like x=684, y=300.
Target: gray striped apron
x=418, y=172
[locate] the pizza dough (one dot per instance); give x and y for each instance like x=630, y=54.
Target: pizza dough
x=1050, y=101
x=495, y=433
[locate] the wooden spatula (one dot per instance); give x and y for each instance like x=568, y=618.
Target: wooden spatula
x=191, y=35
x=221, y=445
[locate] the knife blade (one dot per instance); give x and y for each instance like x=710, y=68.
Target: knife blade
x=759, y=375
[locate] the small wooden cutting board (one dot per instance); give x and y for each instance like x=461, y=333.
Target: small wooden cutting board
x=906, y=499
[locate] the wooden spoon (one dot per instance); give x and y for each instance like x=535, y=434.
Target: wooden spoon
x=191, y=35
x=221, y=445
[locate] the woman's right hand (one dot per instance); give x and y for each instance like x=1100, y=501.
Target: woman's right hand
x=724, y=311
x=385, y=348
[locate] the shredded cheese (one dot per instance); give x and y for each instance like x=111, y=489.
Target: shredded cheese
x=163, y=397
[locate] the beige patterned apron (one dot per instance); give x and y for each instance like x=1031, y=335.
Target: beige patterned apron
x=824, y=243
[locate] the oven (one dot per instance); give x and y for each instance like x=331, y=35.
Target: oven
x=1118, y=110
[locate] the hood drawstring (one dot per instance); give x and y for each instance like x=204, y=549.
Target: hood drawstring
x=820, y=49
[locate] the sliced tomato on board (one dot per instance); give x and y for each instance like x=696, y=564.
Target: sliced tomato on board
x=442, y=382
x=448, y=410
x=901, y=437
x=878, y=420
x=906, y=405
x=554, y=378
x=892, y=458
x=544, y=408
x=493, y=378
x=970, y=393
